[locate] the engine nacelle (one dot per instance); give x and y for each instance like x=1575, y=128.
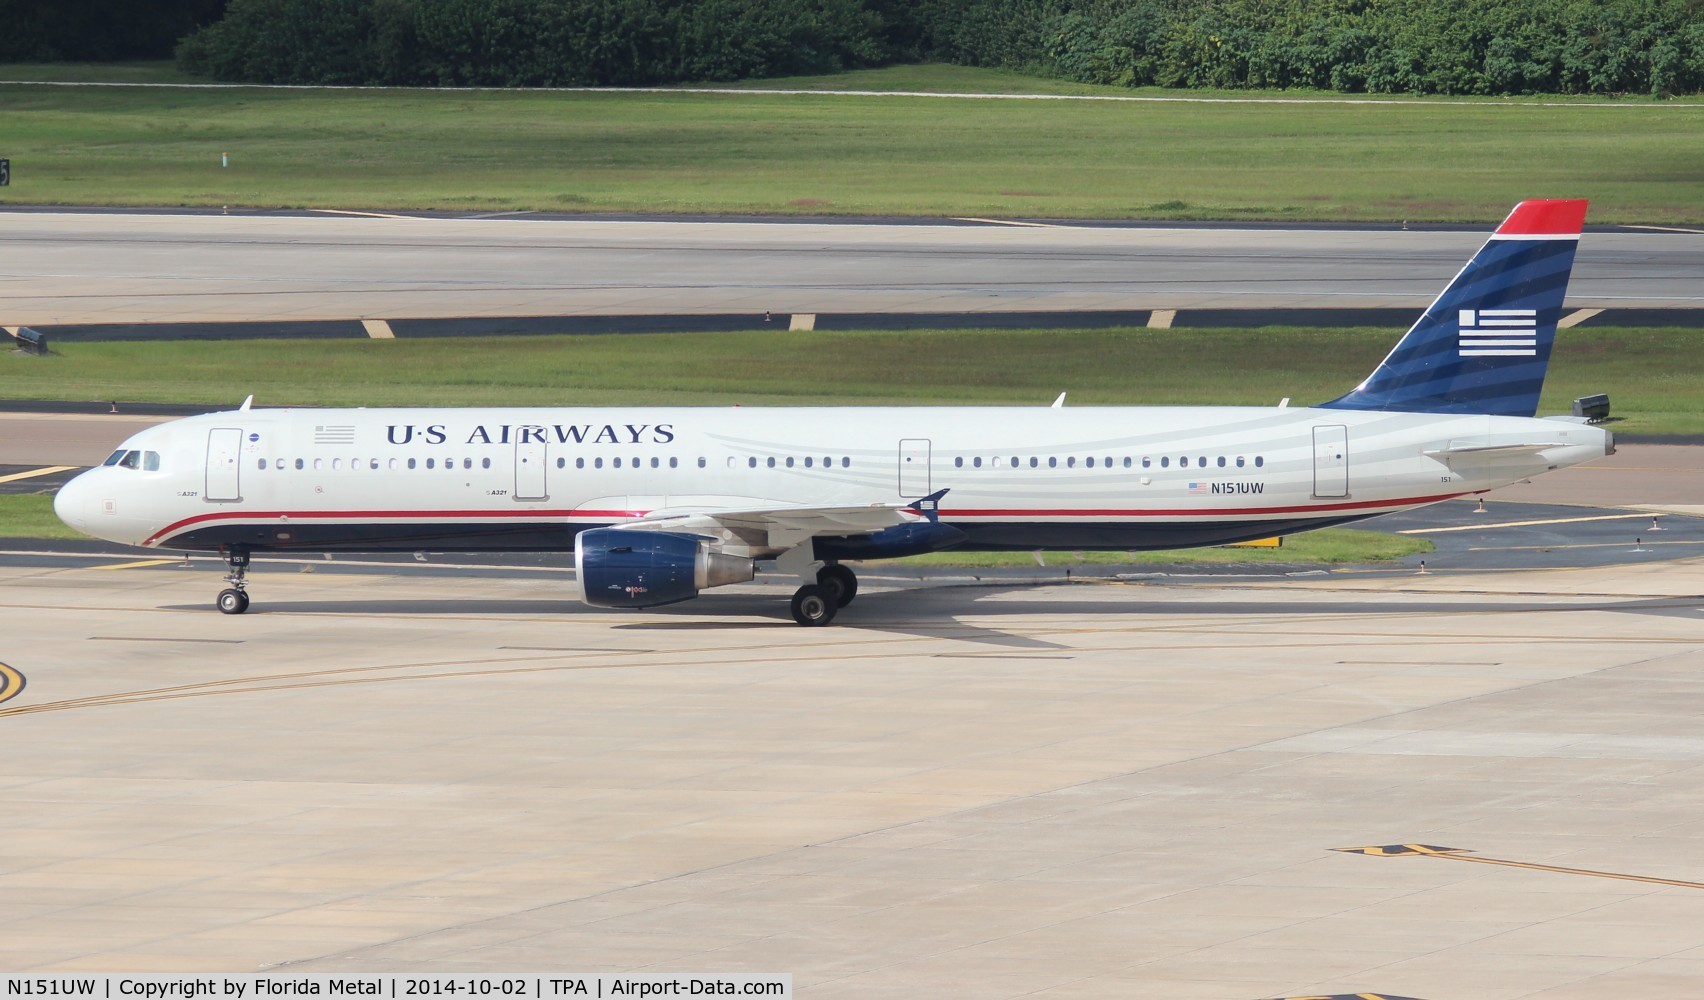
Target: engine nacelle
x=642, y=569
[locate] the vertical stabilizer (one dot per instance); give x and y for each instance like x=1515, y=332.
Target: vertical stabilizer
x=1484, y=345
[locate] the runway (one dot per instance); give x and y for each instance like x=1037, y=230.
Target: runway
x=92, y=268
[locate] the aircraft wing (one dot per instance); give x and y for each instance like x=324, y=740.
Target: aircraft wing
x=784, y=526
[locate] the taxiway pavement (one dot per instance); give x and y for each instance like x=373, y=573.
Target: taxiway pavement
x=121, y=267
x=1097, y=790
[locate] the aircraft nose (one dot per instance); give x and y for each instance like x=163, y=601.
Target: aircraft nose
x=72, y=503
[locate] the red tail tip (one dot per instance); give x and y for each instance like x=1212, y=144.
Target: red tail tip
x=1545, y=217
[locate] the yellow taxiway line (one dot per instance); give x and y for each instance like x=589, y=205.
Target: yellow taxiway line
x=1523, y=524
x=33, y=473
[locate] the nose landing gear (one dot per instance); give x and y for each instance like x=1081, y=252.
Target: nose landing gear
x=234, y=600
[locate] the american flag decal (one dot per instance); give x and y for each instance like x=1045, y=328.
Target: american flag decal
x=1497, y=333
x=1197, y=488
x=334, y=434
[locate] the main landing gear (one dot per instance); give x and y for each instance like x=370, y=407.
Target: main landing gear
x=816, y=603
x=234, y=600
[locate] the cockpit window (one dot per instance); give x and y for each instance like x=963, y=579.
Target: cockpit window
x=150, y=461
x=131, y=460
x=114, y=457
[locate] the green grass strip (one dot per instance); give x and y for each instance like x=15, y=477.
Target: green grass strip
x=31, y=516
x=685, y=151
x=1651, y=374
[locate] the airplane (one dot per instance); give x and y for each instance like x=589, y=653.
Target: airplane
x=658, y=504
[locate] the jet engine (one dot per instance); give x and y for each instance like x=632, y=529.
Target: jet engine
x=641, y=569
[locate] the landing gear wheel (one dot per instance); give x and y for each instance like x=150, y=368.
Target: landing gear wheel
x=813, y=604
x=234, y=600
x=839, y=581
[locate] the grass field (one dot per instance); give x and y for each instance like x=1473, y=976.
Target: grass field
x=30, y=515
x=1640, y=161
x=1325, y=547
x=1652, y=375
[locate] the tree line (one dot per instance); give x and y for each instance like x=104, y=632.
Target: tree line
x=1481, y=47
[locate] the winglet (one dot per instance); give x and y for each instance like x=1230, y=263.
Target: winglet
x=1060, y=402
x=930, y=506
x=247, y=402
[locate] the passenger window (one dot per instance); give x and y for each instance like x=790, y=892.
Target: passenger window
x=958, y=462
x=772, y=461
x=1127, y=461
x=1165, y=461
x=561, y=463
x=654, y=463
x=263, y=463
x=597, y=463
x=1034, y=462
x=319, y=463
x=579, y=463
x=977, y=462
x=1147, y=462
x=429, y=464
x=1239, y=461
x=789, y=461
x=1258, y=461
x=845, y=462
x=751, y=463
x=392, y=464
x=1107, y=461
x=467, y=463
x=1202, y=461
x=1183, y=463
x=808, y=461
x=1221, y=461
x=701, y=461
x=615, y=463
x=1071, y=462
x=485, y=463
x=1052, y=462
x=674, y=463
x=410, y=463
x=299, y=464
x=1090, y=461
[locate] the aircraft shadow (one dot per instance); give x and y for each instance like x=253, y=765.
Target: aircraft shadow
x=932, y=613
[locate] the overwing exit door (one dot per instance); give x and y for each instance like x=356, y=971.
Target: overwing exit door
x=914, y=468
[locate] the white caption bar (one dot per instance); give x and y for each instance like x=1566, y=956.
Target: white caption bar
x=401, y=986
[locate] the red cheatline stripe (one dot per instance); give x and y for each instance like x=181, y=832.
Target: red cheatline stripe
x=618, y=515
x=1545, y=217
x=336, y=515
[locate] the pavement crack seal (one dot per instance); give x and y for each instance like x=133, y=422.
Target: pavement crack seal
x=1462, y=854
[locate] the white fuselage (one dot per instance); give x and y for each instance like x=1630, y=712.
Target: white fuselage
x=1019, y=478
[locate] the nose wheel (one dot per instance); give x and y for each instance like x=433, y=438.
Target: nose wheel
x=234, y=600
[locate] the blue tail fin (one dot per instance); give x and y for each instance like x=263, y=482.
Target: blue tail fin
x=1483, y=346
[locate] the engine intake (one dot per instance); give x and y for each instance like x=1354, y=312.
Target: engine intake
x=643, y=569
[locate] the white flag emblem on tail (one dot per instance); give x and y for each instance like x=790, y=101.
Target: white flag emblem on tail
x=1498, y=333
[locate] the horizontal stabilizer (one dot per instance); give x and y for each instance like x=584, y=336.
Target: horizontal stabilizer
x=1493, y=450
